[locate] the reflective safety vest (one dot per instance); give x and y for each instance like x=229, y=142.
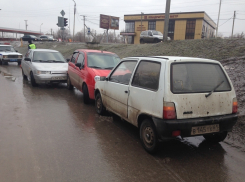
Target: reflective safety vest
x=32, y=46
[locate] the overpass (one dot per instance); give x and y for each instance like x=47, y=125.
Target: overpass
x=18, y=31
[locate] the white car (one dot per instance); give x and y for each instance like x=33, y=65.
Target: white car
x=169, y=97
x=44, y=66
x=9, y=54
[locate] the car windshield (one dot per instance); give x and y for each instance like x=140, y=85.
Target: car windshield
x=48, y=57
x=198, y=78
x=156, y=33
x=102, y=60
x=33, y=36
x=7, y=48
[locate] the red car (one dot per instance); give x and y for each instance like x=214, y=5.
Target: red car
x=84, y=65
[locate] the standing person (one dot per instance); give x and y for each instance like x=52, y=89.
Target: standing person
x=31, y=45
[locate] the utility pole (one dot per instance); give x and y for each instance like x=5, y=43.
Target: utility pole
x=218, y=20
x=233, y=23
x=74, y=19
x=51, y=32
x=26, y=24
x=84, y=27
x=141, y=20
x=166, y=21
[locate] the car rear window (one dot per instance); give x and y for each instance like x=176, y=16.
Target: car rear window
x=198, y=78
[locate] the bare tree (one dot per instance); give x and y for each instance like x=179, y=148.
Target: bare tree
x=62, y=33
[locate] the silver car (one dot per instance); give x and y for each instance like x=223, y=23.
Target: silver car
x=44, y=66
x=151, y=36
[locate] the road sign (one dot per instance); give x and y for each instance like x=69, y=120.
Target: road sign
x=60, y=21
x=62, y=13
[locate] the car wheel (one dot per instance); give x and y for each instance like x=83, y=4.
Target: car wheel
x=69, y=85
x=215, y=137
x=100, y=108
x=155, y=41
x=33, y=82
x=148, y=136
x=142, y=41
x=1, y=62
x=24, y=76
x=19, y=63
x=85, y=94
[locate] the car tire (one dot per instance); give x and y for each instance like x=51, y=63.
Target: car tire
x=100, y=108
x=19, y=63
x=24, y=76
x=85, y=94
x=33, y=81
x=215, y=137
x=148, y=136
x=1, y=62
x=69, y=85
x=142, y=41
x=155, y=41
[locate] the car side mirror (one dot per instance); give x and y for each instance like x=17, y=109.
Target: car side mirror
x=79, y=65
x=27, y=59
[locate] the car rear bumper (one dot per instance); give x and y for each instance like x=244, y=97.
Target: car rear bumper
x=166, y=127
x=50, y=78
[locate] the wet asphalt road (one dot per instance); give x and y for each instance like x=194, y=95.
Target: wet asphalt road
x=48, y=134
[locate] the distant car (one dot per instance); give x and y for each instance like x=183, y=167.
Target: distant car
x=87, y=65
x=47, y=38
x=9, y=54
x=151, y=36
x=30, y=37
x=44, y=66
x=168, y=96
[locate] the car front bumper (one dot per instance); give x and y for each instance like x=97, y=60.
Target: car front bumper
x=166, y=127
x=50, y=78
x=11, y=59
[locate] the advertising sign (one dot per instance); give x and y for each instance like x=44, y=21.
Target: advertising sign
x=109, y=22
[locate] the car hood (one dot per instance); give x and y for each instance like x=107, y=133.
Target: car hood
x=99, y=72
x=50, y=66
x=10, y=53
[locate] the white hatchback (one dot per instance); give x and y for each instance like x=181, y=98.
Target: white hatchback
x=169, y=97
x=44, y=66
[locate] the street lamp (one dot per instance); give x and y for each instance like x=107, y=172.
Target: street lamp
x=74, y=19
x=40, y=28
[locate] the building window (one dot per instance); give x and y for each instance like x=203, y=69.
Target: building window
x=130, y=39
x=130, y=27
x=171, y=29
x=190, y=29
x=151, y=25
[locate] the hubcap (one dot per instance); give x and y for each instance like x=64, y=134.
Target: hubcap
x=148, y=136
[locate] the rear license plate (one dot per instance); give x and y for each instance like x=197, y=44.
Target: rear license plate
x=13, y=60
x=58, y=78
x=197, y=130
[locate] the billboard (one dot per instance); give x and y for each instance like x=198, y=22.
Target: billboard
x=109, y=22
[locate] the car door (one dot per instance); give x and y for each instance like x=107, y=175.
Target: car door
x=72, y=69
x=80, y=71
x=117, y=88
x=26, y=64
x=150, y=37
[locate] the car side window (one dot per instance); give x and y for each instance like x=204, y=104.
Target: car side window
x=80, y=59
x=149, y=33
x=147, y=75
x=123, y=72
x=74, y=57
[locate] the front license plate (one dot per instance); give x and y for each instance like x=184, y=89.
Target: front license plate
x=13, y=60
x=58, y=78
x=197, y=130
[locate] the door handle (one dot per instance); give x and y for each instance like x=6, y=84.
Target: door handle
x=126, y=91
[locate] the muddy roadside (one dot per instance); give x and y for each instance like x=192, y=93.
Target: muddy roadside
x=230, y=52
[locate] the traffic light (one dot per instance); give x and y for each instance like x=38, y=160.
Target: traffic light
x=65, y=22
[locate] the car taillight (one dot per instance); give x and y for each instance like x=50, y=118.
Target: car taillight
x=234, y=106
x=169, y=110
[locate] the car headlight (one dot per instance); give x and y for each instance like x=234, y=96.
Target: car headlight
x=97, y=78
x=5, y=56
x=20, y=56
x=43, y=72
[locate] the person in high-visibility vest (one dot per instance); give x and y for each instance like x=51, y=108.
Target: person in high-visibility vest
x=31, y=45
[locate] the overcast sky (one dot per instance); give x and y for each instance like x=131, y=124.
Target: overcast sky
x=14, y=12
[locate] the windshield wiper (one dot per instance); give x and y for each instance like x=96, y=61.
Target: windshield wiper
x=109, y=68
x=207, y=95
x=54, y=61
x=95, y=67
x=42, y=61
